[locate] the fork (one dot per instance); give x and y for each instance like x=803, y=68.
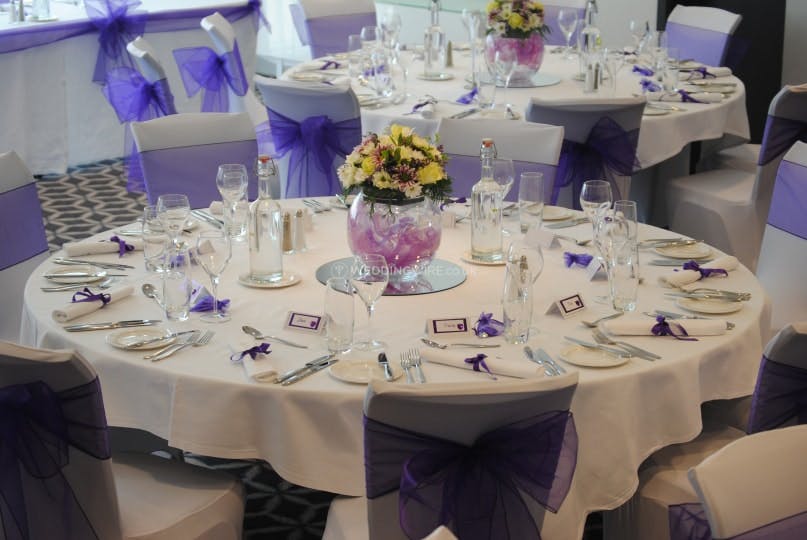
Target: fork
x=405, y=365
x=574, y=240
x=316, y=206
x=595, y=322
x=204, y=339
x=602, y=339
x=414, y=355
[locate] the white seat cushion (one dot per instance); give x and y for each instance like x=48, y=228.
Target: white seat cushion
x=729, y=185
x=743, y=158
x=347, y=519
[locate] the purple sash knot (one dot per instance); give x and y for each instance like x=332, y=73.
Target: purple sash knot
x=645, y=71
x=686, y=97
x=136, y=99
x=478, y=362
x=688, y=522
x=663, y=328
x=201, y=68
x=88, y=296
x=779, y=136
x=609, y=150
x=705, y=272
x=116, y=27
x=252, y=352
x=314, y=143
x=580, y=259
x=123, y=247
x=466, y=99
x=477, y=491
x=205, y=303
x=486, y=324
x=780, y=396
x=649, y=85
x=37, y=425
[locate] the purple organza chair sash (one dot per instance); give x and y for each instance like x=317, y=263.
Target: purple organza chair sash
x=22, y=234
x=780, y=396
x=37, y=427
x=789, y=200
x=475, y=491
x=328, y=35
x=192, y=170
x=609, y=150
x=313, y=145
x=556, y=35
x=116, y=26
x=465, y=171
x=688, y=522
x=779, y=136
x=201, y=68
x=705, y=46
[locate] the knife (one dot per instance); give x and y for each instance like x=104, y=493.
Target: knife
x=382, y=359
x=674, y=262
x=464, y=114
x=110, y=325
x=114, y=266
x=567, y=223
x=308, y=365
x=97, y=275
x=149, y=341
x=309, y=371
x=605, y=348
x=548, y=359
x=548, y=371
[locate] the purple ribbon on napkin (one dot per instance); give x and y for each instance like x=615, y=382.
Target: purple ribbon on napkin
x=330, y=64
x=252, y=352
x=466, y=99
x=705, y=272
x=580, y=259
x=88, y=296
x=478, y=362
x=704, y=72
x=686, y=97
x=663, y=328
x=123, y=247
x=428, y=100
x=449, y=200
x=488, y=325
x=205, y=303
x=647, y=72
x=649, y=86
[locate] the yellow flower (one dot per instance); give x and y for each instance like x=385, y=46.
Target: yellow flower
x=382, y=180
x=492, y=5
x=420, y=142
x=431, y=173
x=368, y=165
x=396, y=131
x=515, y=20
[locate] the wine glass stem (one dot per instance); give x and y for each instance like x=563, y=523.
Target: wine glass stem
x=370, y=309
x=214, y=284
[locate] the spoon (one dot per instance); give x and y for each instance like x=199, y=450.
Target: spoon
x=254, y=332
x=151, y=291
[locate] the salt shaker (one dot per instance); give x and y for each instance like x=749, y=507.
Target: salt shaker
x=299, y=231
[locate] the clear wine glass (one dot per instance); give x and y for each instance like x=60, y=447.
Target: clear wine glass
x=369, y=37
x=505, y=63
x=173, y=210
x=369, y=275
x=638, y=29
x=232, y=182
x=533, y=253
x=595, y=200
x=567, y=21
x=504, y=175
x=389, y=22
x=213, y=252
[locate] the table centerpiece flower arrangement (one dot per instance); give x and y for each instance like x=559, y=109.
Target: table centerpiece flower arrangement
x=401, y=180
x=517, y=27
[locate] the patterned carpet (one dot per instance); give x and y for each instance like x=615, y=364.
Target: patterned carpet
x=93, y=198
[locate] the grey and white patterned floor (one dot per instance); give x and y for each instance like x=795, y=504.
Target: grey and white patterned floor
x=92, y=198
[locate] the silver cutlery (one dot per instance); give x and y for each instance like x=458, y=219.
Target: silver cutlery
x=436, y=345
x=204, y=216
x=464, y=114
x=316, y=206
x=382, y=360
x=595, y=322
x=707, y=290
x=602, y=339
x=677, y=243
x=150, y=291
x=725, y=296
x=406, y=365
x=257, y=334
x=549, y=371
x=193, y=341
x=111, y=325
x=81, y=275
x=107, y=283
x=568, y=223
x=674, y=315
x=309, y=371
x=316, y=362
x=151, y=341
x=610, y=350
x=652, y=242
x=113, y=266
x=574, y=240
x=675, y=262
x=414, y=355
x=548, y=359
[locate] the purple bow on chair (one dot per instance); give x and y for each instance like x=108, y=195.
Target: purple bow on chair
x=201, y=68
x=779, y=136
x=37, y=425
x=609, y=150
x=476, y=491
x=688, y=522
x=779, y=397
x=116, y=27
x=313, y=143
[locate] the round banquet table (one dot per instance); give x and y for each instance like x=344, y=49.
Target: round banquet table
x=311, y=431
x=661, y=137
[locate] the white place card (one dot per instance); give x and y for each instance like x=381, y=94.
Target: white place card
x=567, y=306
x=541, y=237
x=454, y=326
x=596, y=270
x=304, y=322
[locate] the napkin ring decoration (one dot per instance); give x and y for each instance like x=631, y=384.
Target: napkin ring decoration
x=88, y=296
x=252, y=352
x=663, y=328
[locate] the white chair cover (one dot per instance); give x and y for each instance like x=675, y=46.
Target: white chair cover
x=532, y=147
x=146, y=59
x=134, y=497
x=324, y=25
x=784, y=247
x=181, y=153
x=728, y=208
x=299, y=101
x=701, y=33
x=755, y=481
x=23, y=243
x=454, y=412
x=578, y=117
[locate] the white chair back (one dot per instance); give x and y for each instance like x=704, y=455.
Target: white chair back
x=23, y=242
x=222, y=35
x=755, y=481
x=701, y=33
x=325, y=25
x=146, y=59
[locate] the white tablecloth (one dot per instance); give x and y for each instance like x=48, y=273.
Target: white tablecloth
x=311, y=432
x=53, y=114
x=661, y=137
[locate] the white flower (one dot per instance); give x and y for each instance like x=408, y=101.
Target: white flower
x=507, y=9
x=413, y=190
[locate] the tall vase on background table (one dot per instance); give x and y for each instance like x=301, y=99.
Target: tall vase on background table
x=517, y=26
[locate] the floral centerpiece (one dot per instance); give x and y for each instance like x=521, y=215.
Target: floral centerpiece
x=401, y=180
x=517, y=27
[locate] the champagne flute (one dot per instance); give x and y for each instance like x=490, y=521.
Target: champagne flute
x=213, y=252
x=638, y=29
x=504, y=176
x=173, y=210
x=369, y=275
x=369, y=37
x=595, y=200
x=505, y=63
x=567, y=22
x=390, y=24
x=533, y=253
x=232, y=181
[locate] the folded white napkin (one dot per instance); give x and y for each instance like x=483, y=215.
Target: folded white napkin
x=96, y=247
x=427, y=111
x=703, y=97
x=77, y=309
x=511, y=366
x=216, y=208
x=713, y=72
x=681, y=278
x=798, y=88
x=643, y=326
x=262, y=368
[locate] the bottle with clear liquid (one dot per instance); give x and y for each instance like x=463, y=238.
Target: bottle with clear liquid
x=517, y=301
x=589, y=37
x=486, y=210
x=265, y=228
x=434, y=43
